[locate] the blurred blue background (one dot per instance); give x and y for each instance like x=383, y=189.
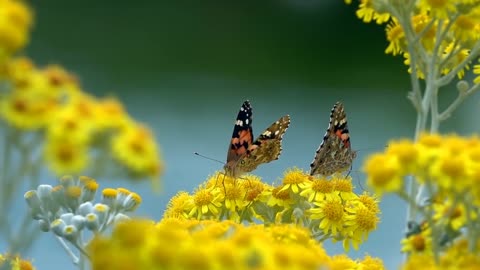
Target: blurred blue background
x=185, y=67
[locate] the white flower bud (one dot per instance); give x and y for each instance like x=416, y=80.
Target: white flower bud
x=85, y=208
x=70, y=233
x=131, y=202
x=101, y=210
x=91, y=222
x=79, y=222
x=67, y=181
x=32, y=199
x=57, y=227
x=120, y=218
x=44, y=193
x=67, y=218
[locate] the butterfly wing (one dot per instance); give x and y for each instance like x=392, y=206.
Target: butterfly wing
x=242, y=138
x=334, y=153
x=267, y=147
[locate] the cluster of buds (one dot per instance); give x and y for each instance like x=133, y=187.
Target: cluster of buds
x=68, y=208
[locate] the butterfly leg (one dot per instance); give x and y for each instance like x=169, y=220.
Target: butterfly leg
x=349, y=171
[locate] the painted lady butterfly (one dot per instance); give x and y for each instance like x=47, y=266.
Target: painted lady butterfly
x=243, y=154
x=334, y=153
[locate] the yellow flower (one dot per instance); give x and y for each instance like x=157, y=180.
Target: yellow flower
x=111, y=114
x=371, y=202
x=418, y=243
x=420, y=261
x=135, y=147
x=406, y=153
x=318, y=189
x=65, y=157
x=66, y=124
x=450, y=171
x=278, y=196
x=344, y=187
x=395, y=37
x=206, y=204
x=359, y=222
x=341, y=262
x=60, y=81
x=384, y=173
x=370, y=263
x=233, y=197
x=28, y=110
x=419, y=23
x=464, y=27
x=455, y=56
x=15, y=23
x=253, y=187
x=15, y=262
x=420, y=69
x=365, y=11
x=174, y=244
x=439, y=9
x=179, y=205
x=455, y=216
x=330, y=212
x=476, y=70
x=294, y=180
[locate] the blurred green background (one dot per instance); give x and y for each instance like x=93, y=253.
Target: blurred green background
x=185, y=67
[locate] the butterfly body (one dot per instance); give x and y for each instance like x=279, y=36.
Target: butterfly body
x=334, y=153
x=245, y=155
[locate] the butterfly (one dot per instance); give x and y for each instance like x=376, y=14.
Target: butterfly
x=245, y=155
x=334, y=153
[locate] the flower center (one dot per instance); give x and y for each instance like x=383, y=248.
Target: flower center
x=333, y=210
x=202, y=197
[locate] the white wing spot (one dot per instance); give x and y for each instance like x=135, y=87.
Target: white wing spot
x=242, y=109
x=246, y=121
x=276, y=132
x=239, y=123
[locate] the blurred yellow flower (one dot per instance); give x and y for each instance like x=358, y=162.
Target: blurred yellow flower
x=31, y=110
x=135, y=147
x=65, y=157
x=438, y=8
x=183, y=244
x=370, y=263
x=15, y=263
x=15, y=23
x=384, y=173
x=418, y=243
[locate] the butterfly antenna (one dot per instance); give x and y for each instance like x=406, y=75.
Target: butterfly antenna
x=209, y=158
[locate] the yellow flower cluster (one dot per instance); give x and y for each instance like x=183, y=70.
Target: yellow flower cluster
x=15, y=24
x=455, y=22
x=447, y=168
x=191, y=244
x=458, y=256
x=328, y=208
x=15, y=263
x=449, y=165
x=80, y=130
